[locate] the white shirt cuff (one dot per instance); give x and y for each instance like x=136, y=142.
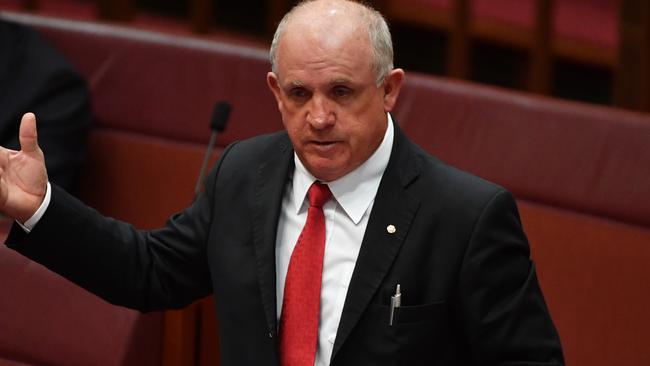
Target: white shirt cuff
x=36, y=217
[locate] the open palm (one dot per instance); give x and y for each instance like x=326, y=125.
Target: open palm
x=23, y=177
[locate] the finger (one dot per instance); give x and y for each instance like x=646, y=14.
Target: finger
x=4, y=164
x=4, y=157
x=27, y=135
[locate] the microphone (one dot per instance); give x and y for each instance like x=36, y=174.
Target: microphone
x=218, y=122
x=220, y=116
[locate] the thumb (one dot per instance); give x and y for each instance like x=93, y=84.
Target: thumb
x=27, y=135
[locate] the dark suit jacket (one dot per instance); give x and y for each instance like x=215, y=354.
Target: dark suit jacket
x=469, y=291
x=34, y=77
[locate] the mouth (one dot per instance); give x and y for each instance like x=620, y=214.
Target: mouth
x=323, y=143
x=323, y=146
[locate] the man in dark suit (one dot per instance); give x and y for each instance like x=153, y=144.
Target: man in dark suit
x=35, y=77
x=335, y=242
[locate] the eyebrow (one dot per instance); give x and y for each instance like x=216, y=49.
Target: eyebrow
x=299, y=84
x=295, y=84
x=340, y=81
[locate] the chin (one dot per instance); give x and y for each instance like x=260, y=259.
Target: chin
x=326, y=174
x=325, y=168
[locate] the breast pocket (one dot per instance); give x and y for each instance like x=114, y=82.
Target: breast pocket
x=418, y=331
x=415, y=337
x=412, y=315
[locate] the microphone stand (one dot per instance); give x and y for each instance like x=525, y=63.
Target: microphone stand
x=218, y=123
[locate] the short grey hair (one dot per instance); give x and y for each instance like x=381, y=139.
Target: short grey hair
x=378, y=32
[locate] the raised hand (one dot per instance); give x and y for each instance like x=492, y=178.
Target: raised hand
x=23, y=177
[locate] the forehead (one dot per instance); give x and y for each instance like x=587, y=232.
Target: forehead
x=335, y=49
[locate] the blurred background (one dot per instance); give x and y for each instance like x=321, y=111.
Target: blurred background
x=588, y=50
x=548, y=98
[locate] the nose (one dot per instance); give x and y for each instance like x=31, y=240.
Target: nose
x=320, y=113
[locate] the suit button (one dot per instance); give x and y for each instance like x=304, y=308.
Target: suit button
x=270, y=334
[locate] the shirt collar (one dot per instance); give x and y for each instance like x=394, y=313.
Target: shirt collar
x=356, y=190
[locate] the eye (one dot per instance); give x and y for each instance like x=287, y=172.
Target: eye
x=298, y=93
x=341, y=91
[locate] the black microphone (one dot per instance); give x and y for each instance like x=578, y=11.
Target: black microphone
x=220, y=116
x=218, y=122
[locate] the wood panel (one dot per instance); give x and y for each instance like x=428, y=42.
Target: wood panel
x=31, y=5
x=593, y=273
x=119, y=10
x=130, y=177
x=201, y=15
x=459, y=42
x=541, y=58
x=633, y=74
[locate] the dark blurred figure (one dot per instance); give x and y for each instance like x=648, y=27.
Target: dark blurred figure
x=35, y=77
x=250, y=17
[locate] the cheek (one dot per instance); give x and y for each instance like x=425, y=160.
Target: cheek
x=290, y=118
x=295, y=129
x=366, y=138
x=287, y=107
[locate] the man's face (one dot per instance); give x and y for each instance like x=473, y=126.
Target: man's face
x=331, y=107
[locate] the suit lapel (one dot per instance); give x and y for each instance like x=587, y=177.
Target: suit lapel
x=270, y=183
x=392, y=206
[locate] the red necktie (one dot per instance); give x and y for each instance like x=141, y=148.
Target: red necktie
x=301, y=304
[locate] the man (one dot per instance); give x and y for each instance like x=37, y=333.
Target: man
x=35, y=77
x=336, y=242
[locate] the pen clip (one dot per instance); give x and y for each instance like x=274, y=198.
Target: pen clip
x=395, y=302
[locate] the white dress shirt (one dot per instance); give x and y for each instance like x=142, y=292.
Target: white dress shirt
x=36, y=217
x=346, y=218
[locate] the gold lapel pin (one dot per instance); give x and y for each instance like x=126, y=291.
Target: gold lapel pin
x=391, y=229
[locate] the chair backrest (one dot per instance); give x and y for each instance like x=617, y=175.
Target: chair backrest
x=571, y=155
x=46, y=320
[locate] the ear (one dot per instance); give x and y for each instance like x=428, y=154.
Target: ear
x=274, y=85
x=392, y=86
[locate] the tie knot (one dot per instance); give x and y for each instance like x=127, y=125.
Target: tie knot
x=318, y=194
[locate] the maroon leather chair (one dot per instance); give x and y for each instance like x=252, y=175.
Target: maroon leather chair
x=46, y=320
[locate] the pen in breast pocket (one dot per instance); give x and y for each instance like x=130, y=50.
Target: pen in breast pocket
x=395, y=302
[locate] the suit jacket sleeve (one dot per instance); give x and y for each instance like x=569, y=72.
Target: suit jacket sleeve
x=144, y=270
x=504, y=314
